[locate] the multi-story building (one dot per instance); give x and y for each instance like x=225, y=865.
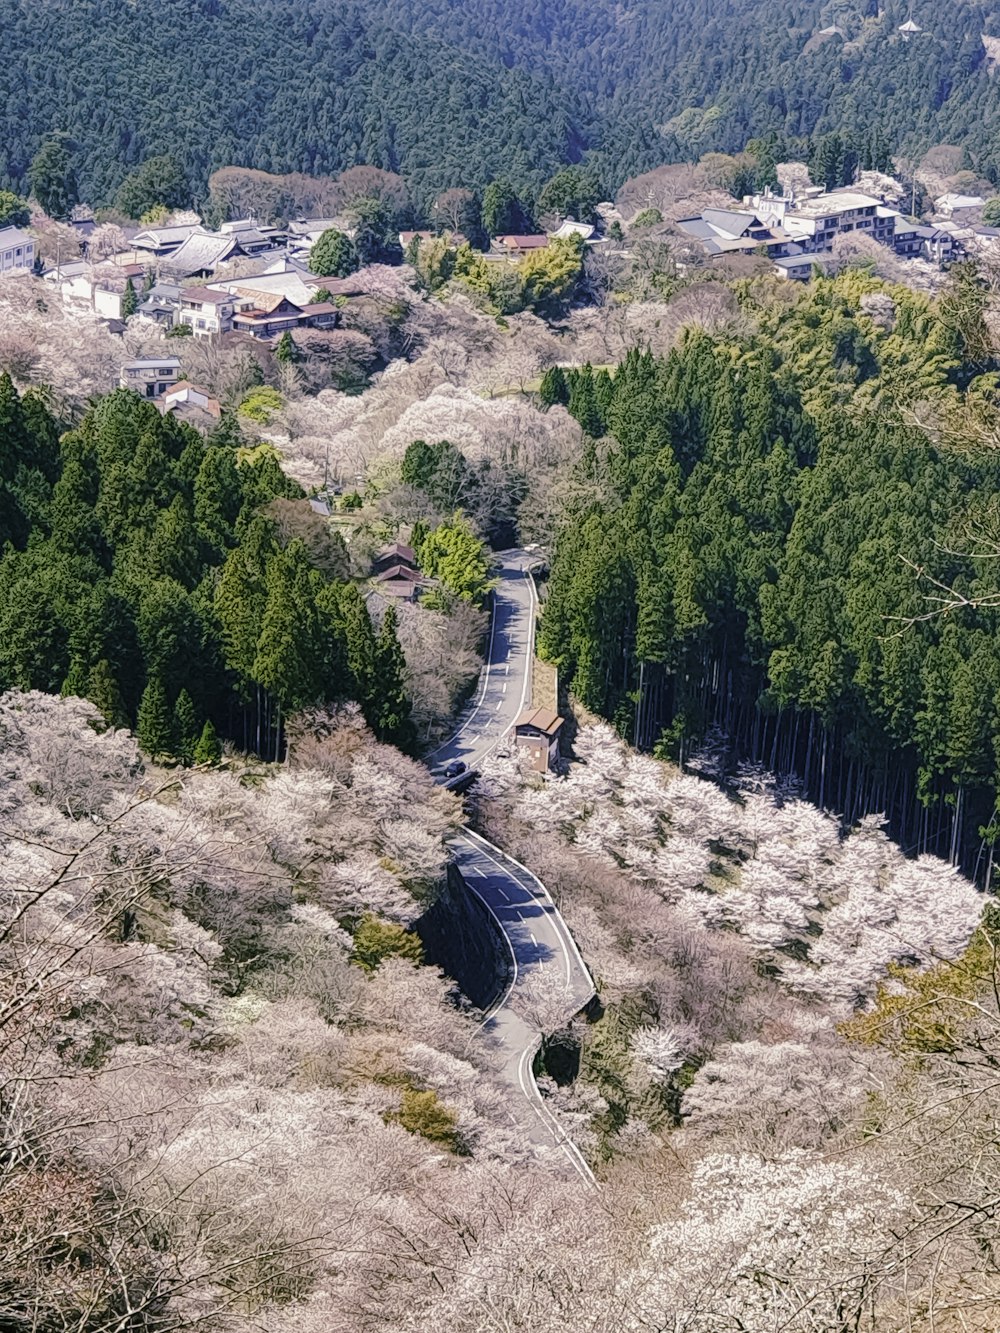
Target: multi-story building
x=17, y=251
x=207, y=310
x=817, y=218
x=150, y=378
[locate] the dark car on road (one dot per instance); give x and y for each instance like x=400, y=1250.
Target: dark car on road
x=453, y=769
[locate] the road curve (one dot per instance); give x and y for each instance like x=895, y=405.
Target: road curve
x=547, y=971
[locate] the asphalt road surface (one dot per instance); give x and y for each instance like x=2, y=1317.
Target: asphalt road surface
x=505, y=683
x=549, y=980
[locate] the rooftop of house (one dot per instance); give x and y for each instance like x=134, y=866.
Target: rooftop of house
x=836, y=201
x=290, y=283
x=206, y=295
x=307, y=226
x=148, y=363
x=541, y=719
x=319, y=308
x=201, y=252
x=535, y=242
x=400, y=572
x=397, y=551
x=14, y=236
x=570, y=228
x=264, y=302
x=951, y=200
x=153, y=238
x=405, y=237
x=240, y=226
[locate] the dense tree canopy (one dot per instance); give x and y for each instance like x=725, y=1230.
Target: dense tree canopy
x=140, y=573
x=158, y=182
x=743, y=566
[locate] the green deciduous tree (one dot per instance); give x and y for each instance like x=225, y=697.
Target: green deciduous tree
x=14, y=210
x=157, y=182
x=377, y=939
x=454, y=554
x=333, y=255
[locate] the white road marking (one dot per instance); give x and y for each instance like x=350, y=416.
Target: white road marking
x=499, y=705
x=499, y=890
x=557, y=918
x=533, y=940
x=504, y=690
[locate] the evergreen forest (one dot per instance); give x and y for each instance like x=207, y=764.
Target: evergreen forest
x=780, y=548
x=451, y=94
x=144, y=569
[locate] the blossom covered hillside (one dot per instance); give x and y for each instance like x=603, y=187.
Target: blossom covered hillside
x=233, y=1098
x=829, y=914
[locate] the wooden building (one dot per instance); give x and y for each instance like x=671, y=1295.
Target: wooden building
x=536, y=732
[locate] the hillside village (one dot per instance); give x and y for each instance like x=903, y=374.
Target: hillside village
x=253, y=278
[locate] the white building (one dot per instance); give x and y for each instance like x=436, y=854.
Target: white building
x=17, y=251
x=150, y=378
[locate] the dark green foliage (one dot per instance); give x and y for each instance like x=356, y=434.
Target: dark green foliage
x=572, y=193
x=744, y=562
x=376, y=231
x=154, y=725
x=159, y=182
x=186, y=732
x=392, y=723
x=207, y=750
x=441, y=472
x=518, y=91
x=102, y=690
x=339, y=85
x=503, y=212
x=553, y=388
x=140, y=574
x=52, y=176
x=130, y=300
x=333, y=255
x=286, y=351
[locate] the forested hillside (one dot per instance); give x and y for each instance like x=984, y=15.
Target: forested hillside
x=448, y=93
x=710, y=76
x=174, y=581
x=750, y=562
x=302, y=86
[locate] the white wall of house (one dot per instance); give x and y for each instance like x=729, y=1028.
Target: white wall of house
x=107, y=304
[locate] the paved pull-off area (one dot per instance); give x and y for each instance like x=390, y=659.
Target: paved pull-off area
x=547, y=970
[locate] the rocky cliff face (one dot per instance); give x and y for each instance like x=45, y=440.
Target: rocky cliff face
x=460, y=937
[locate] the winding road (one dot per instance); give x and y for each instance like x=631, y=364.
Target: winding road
x=547, y=971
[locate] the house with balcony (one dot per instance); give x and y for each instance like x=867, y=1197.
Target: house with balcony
x=17, y=251
x=148, y=377
x=206, y=310
x=270, y=314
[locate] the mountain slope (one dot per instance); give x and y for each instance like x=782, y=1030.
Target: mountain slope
x=308, y=86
